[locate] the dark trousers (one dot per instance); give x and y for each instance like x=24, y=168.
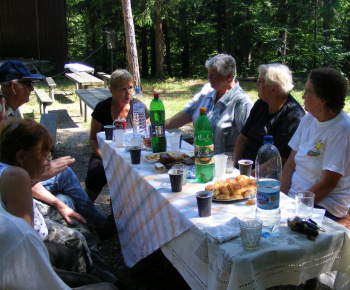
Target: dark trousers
x=96, y=177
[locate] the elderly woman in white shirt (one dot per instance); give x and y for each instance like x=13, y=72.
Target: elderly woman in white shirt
x=320, y=157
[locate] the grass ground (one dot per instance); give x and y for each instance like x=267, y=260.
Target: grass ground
x=174, y=93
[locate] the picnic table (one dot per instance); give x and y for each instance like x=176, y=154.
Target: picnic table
x=84, y=80
x=91, y=97
x=150, y=216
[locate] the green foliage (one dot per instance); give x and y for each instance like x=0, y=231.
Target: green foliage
x=250, y=30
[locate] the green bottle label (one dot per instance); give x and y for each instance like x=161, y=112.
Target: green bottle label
x=204, y=154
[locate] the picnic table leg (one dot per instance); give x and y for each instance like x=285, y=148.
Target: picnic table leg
x=79, y=86
x=85, y=112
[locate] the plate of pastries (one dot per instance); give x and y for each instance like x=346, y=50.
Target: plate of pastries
x=233, y=189
x=168, y=159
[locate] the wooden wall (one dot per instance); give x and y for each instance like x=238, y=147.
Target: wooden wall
x=34, y=29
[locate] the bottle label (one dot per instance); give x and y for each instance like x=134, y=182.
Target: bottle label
x=268, y=194
x=204, y=155
x=138, y=108
x=157, y=131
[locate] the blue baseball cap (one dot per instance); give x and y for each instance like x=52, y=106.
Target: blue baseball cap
x=15, y=70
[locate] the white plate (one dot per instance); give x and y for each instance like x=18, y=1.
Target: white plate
x=231, y=200
x=152, y=160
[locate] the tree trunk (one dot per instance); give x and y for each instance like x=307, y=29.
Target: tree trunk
x=220, y=24
x=133, y=61
x=228, y=39
x=167, y=50
x=249, y=47
x=283, y=32
x=159, y=41
x=315, y=34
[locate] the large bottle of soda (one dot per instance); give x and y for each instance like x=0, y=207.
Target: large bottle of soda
x=268, y=173
x=157, y=116
x=139, y=116
x=204, y=148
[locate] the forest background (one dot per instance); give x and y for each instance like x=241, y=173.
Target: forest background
x=174, y=38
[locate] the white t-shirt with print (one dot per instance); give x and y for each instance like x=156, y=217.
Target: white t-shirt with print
x=323, y=146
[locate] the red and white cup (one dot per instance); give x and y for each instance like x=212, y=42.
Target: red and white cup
x=121, y=122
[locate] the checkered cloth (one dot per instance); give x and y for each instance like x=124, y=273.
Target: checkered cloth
x=147, y=213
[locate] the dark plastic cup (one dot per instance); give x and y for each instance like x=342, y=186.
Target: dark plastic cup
x=135, y=154
x=109, y=131
x=204, y=201
x=175, y=176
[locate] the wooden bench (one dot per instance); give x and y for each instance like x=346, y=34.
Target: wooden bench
x=49, y=120
x=52, y=85
x=43, y=99
x=46, y=99
x=106, y=78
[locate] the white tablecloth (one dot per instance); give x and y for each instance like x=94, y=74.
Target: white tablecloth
x=149, y=216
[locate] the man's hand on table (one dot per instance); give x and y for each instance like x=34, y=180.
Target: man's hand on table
x=57, y=166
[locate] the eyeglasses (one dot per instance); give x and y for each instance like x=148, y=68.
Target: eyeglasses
x=48, y=159
x=261, y=82
x=306, y=92
x=28, y=84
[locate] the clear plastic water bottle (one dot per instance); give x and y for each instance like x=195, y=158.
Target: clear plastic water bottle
x=139, y=116
x=268, y=173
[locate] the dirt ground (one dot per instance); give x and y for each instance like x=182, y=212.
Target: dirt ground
x=154, y=272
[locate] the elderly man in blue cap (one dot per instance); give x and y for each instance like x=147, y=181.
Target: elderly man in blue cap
x=60, y=186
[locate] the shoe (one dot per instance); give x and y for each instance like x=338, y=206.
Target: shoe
x=109, y=230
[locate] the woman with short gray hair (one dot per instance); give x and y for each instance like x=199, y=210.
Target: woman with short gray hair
x=227, y=105
x=118, y=106
x=276, y=113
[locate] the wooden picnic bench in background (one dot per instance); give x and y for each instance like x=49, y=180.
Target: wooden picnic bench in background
x=46, y=99
x=84, y=80
x=91, y=97
x=106, y=78
x=49, y=120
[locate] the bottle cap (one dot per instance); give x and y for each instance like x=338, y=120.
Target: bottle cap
x=156, y=95
x=137, y=90
x=202, y=110
x=268, y=139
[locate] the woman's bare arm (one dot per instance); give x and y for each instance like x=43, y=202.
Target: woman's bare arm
x=16, y=193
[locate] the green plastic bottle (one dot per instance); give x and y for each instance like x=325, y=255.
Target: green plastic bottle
x=204, y=148
x=157, y=116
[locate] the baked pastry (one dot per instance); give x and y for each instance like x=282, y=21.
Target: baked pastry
x=240, y=187
x=188, y=161
x=165, y=159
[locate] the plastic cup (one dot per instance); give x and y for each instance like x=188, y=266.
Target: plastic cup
x=118, y=135
x=175, y=139
x=204, y=201
x=121, y=122
x=250, y=233
x=182, y=167
x=109, y=131
x=304, y=204
x=245, y=167
x=136, y=141
x=135, y=154
x=230, y=161
x=220, y=162
x=175, y=176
